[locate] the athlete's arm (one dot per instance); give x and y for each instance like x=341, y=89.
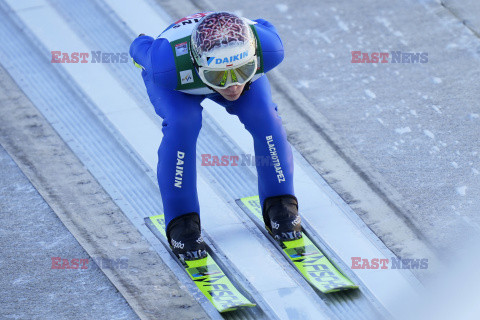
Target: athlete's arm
x=156, y=59
x=139, y=50
x=272, y=46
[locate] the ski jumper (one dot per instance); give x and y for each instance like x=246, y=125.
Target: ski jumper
x=176, y=91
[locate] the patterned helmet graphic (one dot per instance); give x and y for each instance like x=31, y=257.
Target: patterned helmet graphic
x=220, y=34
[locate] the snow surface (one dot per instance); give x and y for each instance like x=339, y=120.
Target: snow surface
x=433, y=107
x=416, y=124
x=31, y=234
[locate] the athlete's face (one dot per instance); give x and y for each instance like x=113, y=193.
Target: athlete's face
x=231, y=93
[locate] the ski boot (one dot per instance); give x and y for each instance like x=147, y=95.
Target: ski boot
x=185, y=238
x=280, y=214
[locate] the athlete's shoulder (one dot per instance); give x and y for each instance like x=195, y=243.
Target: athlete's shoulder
x=163, y=63
x=162, y=55
x=271, y=44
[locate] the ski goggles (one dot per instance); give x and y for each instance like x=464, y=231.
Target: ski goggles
x=222, y=79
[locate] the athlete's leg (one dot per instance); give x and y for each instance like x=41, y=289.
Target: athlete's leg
x=258, y=113
x=176, y=171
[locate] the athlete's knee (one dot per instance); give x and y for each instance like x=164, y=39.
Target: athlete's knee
x=190, y=122
x=262, y=119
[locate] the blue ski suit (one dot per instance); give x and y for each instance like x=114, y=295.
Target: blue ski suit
x=182, y=120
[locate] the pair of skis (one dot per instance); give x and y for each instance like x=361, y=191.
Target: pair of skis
x=303, y=254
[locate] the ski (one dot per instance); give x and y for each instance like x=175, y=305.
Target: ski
x=207, y=275
x=303, y=254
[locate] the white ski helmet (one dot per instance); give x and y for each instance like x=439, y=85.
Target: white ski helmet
x=223, y=49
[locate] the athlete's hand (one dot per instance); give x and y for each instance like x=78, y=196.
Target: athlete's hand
x=134, y=62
